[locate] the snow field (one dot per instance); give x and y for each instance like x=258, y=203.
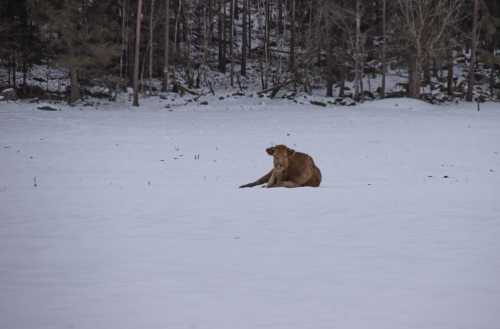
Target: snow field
x=127, y=228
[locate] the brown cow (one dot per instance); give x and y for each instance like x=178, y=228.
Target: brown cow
x=291, y=169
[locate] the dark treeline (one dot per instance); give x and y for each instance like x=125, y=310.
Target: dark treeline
x=274, y=44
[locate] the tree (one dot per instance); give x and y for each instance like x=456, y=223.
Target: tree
x=188, y=38
x=358, y=55
x=343, y=22
x=244, y=37
x=166, y=46
x=124, y=37
x=81, y=36
x=222, y=36
x=422, y=26
x=231, y=42
x=151, y=43
x=298, y=41
x=489, y=35
x=292, y=38
x=384, y=47
x=20, y=39
x=137, y=52
x=472, y=63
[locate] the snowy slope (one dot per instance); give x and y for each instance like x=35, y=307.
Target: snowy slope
x=126, y=229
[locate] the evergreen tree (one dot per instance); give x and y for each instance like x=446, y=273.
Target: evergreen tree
x=83, y=37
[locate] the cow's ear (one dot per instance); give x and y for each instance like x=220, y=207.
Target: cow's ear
x=290, y=151
x=270, y=150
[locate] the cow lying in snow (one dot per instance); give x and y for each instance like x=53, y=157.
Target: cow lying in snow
x=291, y=169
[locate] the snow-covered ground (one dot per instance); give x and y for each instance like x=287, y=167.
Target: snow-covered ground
x=126, y=229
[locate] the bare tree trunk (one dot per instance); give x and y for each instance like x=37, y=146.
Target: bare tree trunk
x=9, y=71
x=123, y=36
x=167, y=46
x=492, y=73
x=281, y=24
x=224, y=33
x=329, y=70
x=137, y=52
x=176, y=32
x=47, y=76
x=426, y=68
x=210, y=19
x=361, y=75
x=189, y=34
x=233, y=6
x=75, y=85
x=310, y=44
x=127, y=60
x=151, y=48
x=143, y=61
x=250, y=25
x=25, y=76
x=244, y=39
x=436, y=71
x=205, y=33
x=236, y=10
x=415, y=73
x=384, y=48
x=449, y=65
x=14, y=72
x=292, y=38
x=222, y=37
x=357, y=55
x=268, y=32
x=266, y=43
x=342, y=81
x=263, y=81
x=472, y=65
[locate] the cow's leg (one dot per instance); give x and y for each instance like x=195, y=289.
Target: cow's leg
x=260, y=181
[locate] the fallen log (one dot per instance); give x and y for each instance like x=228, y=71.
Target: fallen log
x=184, y=90
x=274, y=89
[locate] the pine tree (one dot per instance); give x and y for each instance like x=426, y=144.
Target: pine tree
x=82, y=37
